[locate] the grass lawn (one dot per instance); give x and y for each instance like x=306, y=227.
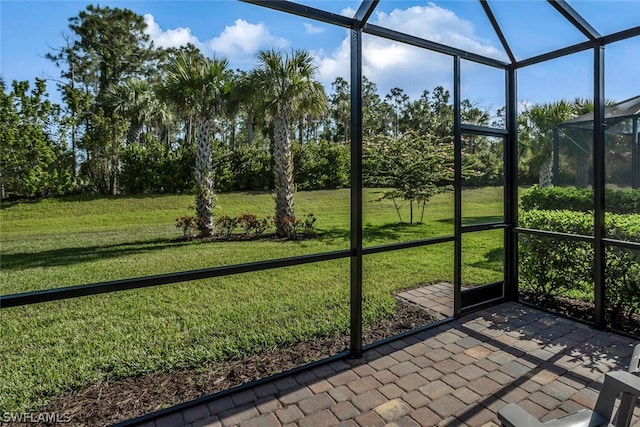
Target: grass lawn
x=52, y=347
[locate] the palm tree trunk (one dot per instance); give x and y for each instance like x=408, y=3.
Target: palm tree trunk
x=283, y=172
x=546, y=173
x=204, y=177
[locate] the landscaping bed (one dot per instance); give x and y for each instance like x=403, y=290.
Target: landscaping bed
x=111, y=402
x=584, y=311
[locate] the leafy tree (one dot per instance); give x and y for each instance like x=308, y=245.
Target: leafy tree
x=200, y=88
x=398, y=101
x=109, y=46
x=373, y=109
x=340, y=109
x=287, y=87
x=413, y=166
x=35, y=160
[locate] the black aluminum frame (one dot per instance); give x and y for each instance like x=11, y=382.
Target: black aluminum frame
x=358, y=26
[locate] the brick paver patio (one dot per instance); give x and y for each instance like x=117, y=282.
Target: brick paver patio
x=437, y=298
x=456, y=374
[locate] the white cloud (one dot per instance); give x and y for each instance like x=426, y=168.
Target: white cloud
x=334, y=64
x=244, y=39
x=312, y=29
x=389, y=64
x=239, y=42
x=348, y=12
x=169, y=38
x=437, y=24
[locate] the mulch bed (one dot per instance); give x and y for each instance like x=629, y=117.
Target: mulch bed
x=115, y=401
x=584, y=311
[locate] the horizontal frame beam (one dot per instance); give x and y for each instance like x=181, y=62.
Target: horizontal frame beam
x=406, y=245
x=580, y=47
x=555, y=234
x=484, y=227
x=483, y=130
x=621, y=244
x=569, y=50
x=57, y=294
x=389, y=34
x=305, y=12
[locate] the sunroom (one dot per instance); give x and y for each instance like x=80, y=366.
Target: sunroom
x=511, y=277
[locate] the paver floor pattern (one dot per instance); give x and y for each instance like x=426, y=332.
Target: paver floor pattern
x=456, y=374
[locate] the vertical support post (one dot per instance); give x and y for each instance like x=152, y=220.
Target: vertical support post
x=457, y=188
x=598, y=187
x=635, y=155
x=556, y=156
x=511, y=188
x=356, y=193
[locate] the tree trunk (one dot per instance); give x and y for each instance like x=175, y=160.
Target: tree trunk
x=546, y=173
x=204, y=177
x=300, y=129
x=283, y=172
x=250, y=120
x=133, y=134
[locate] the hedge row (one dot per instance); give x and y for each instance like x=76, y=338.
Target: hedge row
x=154, y=169
x=580, y=200
x=551, y=267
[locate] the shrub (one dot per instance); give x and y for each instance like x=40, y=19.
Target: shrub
x=580, y=200
x=260, y=226
x=154, y=168
x=247, y=222
x=295, y=227
x=227, y=224
x=310, y=224
x=189, y=225
x=551, y=267
x=622, y=282
x=251, y=225
x=251, y=166
x=321, y=165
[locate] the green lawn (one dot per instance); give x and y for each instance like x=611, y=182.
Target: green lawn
x=52, y=347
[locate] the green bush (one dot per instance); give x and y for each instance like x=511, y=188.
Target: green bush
x=321, y=165
x=251, y=166
x=580, y=200
x=551, y=267
x=155, y=168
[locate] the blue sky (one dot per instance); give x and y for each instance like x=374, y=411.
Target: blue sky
x=236, y=30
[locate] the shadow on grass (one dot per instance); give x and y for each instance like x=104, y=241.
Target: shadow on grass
x=93, y=197
x=393, y=231
x=333, y=235
x=371, y=232
x=489, y=219
x=494, y=260
x=68, y=256
x=78, y=198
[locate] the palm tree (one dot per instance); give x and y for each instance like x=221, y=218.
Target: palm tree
x=200, y=88
x=537, y=125
x=285, y=82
